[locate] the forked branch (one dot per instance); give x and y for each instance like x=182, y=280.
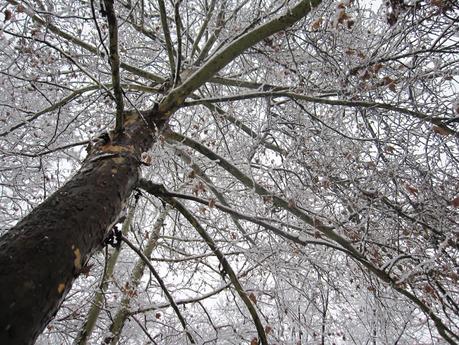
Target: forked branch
x=226, y=266
x=228, y=53
x=320, y=100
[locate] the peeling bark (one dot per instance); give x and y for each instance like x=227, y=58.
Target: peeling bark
x=42, y=255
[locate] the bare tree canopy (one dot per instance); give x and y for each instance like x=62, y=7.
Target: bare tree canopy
x=229, y=172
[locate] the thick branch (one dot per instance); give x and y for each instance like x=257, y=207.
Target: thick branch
x=327, y=231
x=179, y=42
x=233, y=50
x=320, y=100
x=115, y=63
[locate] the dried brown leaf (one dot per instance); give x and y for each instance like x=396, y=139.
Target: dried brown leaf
x=212, y=203
x=455, y=202
x=8, y=15
x=316, y=24
x=440, y=131
x=253, y=298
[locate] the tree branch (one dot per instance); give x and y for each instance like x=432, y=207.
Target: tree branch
x=225, y=264
x=167, y=36
x=134, y=280
x=163, y=287
x=159, y=191
x=202, y=29
x=213, y=37
x=75, y=40
x=115, y=64
x=64, y=53
x=327, y=231
x=198, y=171
x=71, y=97
x=320, y=100
x=179, y=42
x=233, y=50
x=183, y=301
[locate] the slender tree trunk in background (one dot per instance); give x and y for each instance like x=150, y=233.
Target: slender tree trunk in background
x=42, y=255
x=134, y=280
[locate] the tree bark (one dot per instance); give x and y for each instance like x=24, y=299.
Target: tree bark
x=42, y=255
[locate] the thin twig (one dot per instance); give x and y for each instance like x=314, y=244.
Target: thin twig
x=71, y=97
x=183, y=301
x=198, y=171
x=64, y=53
x=145, y=330
x=202, y=29
x=159, y=190
x=93, y=11
x=213, y=38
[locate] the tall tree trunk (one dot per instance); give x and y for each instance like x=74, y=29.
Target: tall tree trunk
x=42, y=255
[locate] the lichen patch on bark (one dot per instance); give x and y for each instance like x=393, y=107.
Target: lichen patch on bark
x=118, y=160
x=108, y=148
x=61, y=287
x=77, y=261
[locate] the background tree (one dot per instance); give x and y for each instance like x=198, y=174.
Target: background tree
x=307, y=151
